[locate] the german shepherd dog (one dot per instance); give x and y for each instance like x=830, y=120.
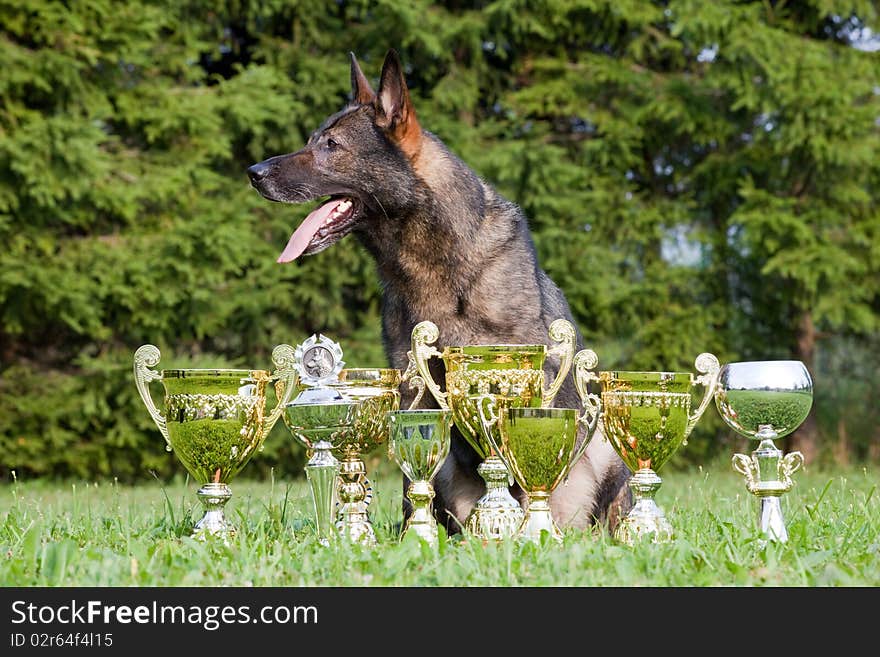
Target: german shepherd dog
x=449, y=249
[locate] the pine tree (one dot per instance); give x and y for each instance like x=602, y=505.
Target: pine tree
x=697, y=176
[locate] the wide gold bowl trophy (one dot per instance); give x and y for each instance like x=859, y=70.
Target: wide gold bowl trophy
x=647, y=416
x=214, y=420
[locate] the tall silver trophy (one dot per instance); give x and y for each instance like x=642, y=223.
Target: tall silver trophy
x=340, y=415
x=320, y=419
x=763, y=401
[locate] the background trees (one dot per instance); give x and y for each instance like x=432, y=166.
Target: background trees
x=698, y=176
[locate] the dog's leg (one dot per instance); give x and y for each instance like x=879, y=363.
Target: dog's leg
x=619, y=506
x=595, y=482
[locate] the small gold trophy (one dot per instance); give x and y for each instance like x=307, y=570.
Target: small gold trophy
x=510, y=370
x=214, y=420
x=763, y=401
x=539, y=445
x=419, y=444
x=647, y=416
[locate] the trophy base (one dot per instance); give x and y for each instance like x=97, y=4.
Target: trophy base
x=643, y=524
x=353, y=521
x=213, y=524
x=497, y=515
x=354, y=524
x=646, y=520
x=538, y=520
x=421, y=522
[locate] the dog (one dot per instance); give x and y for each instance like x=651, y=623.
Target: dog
x=448, y=248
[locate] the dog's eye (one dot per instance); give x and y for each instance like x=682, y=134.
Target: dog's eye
x=331, y=144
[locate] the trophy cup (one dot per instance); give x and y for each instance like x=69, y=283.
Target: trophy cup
x=766, y=400
x=214, y=420
x=646, y=416
x=539, y=445
x=419, y=444
x=510, y=370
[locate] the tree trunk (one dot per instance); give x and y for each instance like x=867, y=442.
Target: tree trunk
x=806, y=438
x=842, y=448
x=874, y=446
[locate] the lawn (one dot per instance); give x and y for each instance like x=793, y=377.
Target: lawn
x=109, y=534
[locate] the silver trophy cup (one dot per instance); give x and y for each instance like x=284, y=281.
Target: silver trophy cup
x=763, y=401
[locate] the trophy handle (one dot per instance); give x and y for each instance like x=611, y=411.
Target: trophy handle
x=424, y=334
x=791, y=464
x=561, y=332
x=747, y=467
x=285, y=375
x=415, y=381
x=707, y=364
x=489, y=401
x=145, y=357
x=411, y=369
x=584, y=362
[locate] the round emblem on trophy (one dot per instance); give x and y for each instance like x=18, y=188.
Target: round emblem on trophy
x=318, y=360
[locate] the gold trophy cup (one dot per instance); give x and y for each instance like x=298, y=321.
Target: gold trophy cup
x=376, y=392
x=539, y=445
x=647, y=416
x=214, y=420
x=510, y=370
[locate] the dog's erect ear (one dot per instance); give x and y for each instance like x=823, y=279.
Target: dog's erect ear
x=361, y=91
x=394, y=109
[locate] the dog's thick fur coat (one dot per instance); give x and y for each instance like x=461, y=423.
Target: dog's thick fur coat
x=448, y=249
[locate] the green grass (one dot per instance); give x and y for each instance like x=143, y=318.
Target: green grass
x=107, y=534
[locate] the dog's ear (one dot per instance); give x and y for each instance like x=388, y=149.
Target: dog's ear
x=394, y=109
x=361, y=91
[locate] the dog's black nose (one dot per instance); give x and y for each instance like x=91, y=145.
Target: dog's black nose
x=257, y=172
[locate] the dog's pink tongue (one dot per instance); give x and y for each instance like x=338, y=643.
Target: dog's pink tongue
x=306, y=231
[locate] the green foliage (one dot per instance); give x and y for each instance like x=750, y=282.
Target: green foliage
x=698, y=177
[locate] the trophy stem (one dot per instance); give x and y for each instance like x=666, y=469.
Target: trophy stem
x=646, y=519
x=772, y=524
x=497, y=514
x=353, y=522
x=214, y=497
x=321, y=471
x=421, y=521
x=538, y=519
x=768, y=476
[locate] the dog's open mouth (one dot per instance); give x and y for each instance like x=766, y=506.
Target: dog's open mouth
x=324, y=226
